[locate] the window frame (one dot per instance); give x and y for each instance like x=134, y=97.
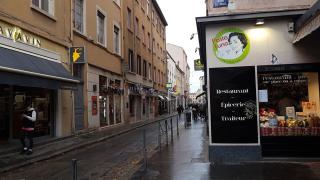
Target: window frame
x=131, y=61
x=116, y=25
x=104, y=26
x=84, y=31
x=129, y=18
x=51, y=8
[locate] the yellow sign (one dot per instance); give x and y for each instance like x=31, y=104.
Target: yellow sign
x=77, y=54
x=16, y=34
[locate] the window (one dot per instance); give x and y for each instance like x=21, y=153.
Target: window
x=144, y=68
x=154, y=74
x=152, y=16
x=149, y=41
x=79, y=15
x=117, y=2
x=153, y=46
x=143, y=35
x=131, y=60
x=139, y=65
x=129, y=18
x=148, y=4
x=159, y=76
x=136, y=27
x=101, y=28
x=45, y=5
x=116, y=39
x=149, y=71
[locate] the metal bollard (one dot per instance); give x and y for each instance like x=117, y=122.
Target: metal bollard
x=166, y=122
x=177, y=126
x=145, y=156
x=74, y=169
x=171, y=128
x=159, y=136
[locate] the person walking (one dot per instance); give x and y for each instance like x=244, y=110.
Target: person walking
x=28, y=122
x=179, y=109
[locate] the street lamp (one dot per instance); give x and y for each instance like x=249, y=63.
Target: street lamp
x=192, y=35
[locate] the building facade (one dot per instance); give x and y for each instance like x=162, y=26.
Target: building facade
x=97, y=26
x=182, y=72
x=144, y=59
x=35, y=69
x=263, y=80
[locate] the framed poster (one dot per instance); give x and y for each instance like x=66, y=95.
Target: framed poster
x=233, y=105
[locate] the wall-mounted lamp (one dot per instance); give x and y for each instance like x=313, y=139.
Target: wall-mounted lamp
x=259, y=22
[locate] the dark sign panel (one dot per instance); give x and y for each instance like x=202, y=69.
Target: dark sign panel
x=198, y=65
x=220, y=3
x=233, y=105
x=77, y=55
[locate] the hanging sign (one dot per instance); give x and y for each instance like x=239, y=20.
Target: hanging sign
x=77, y=55
x=198, y=65
x=231, y=45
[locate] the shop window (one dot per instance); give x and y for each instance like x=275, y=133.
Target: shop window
x=289, y=104
x=131, y=107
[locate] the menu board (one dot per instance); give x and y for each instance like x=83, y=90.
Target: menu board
x=233, y=105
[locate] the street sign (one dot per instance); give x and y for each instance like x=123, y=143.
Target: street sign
x=77, y=55
x=220, y=3
x=198, y=65
x=169, y=85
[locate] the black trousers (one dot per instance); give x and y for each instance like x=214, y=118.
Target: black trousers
x=26, y=135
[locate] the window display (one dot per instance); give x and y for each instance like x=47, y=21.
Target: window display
x=290, y=104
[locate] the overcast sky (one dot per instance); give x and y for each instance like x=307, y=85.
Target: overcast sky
x=180, y=15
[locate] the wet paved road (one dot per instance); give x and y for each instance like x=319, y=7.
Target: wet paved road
x=187, y=159
x=115, y=158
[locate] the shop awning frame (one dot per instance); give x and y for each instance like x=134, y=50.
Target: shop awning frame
x=21, y=68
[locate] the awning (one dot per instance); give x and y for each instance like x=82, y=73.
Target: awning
x=308, y=23
x=22, y=69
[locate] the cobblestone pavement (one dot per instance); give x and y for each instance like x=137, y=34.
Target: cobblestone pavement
x=115, y=158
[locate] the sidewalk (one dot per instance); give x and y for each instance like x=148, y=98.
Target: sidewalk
x=187, y=159
x=10, y=158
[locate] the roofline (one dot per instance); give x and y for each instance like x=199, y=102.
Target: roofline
x=309, y=14
x=247, y=16
x=155, y=4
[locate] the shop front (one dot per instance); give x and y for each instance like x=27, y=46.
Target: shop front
x=263, y=90
x=110, y=101
x=29, y=75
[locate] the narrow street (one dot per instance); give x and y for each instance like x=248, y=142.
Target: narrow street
x=116, y=158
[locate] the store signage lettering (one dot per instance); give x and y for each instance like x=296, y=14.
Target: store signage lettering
x=16, y=34
x=231, y=45
x=233, y=105
x=283, y=79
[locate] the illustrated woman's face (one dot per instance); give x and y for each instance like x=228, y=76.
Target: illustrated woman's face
x=236, y=44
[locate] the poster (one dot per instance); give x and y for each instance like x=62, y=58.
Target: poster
x=231, y=45
x=233, y=105
x=94, y=105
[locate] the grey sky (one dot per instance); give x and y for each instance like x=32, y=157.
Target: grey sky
x=180, y=15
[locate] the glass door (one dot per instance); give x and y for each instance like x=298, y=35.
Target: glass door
x=4, y=113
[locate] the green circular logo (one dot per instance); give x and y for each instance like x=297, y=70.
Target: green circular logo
x=231, y=45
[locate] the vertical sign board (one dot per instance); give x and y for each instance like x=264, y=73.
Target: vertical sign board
x=233, y=105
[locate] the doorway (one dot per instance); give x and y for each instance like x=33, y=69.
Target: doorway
x=4, y=113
